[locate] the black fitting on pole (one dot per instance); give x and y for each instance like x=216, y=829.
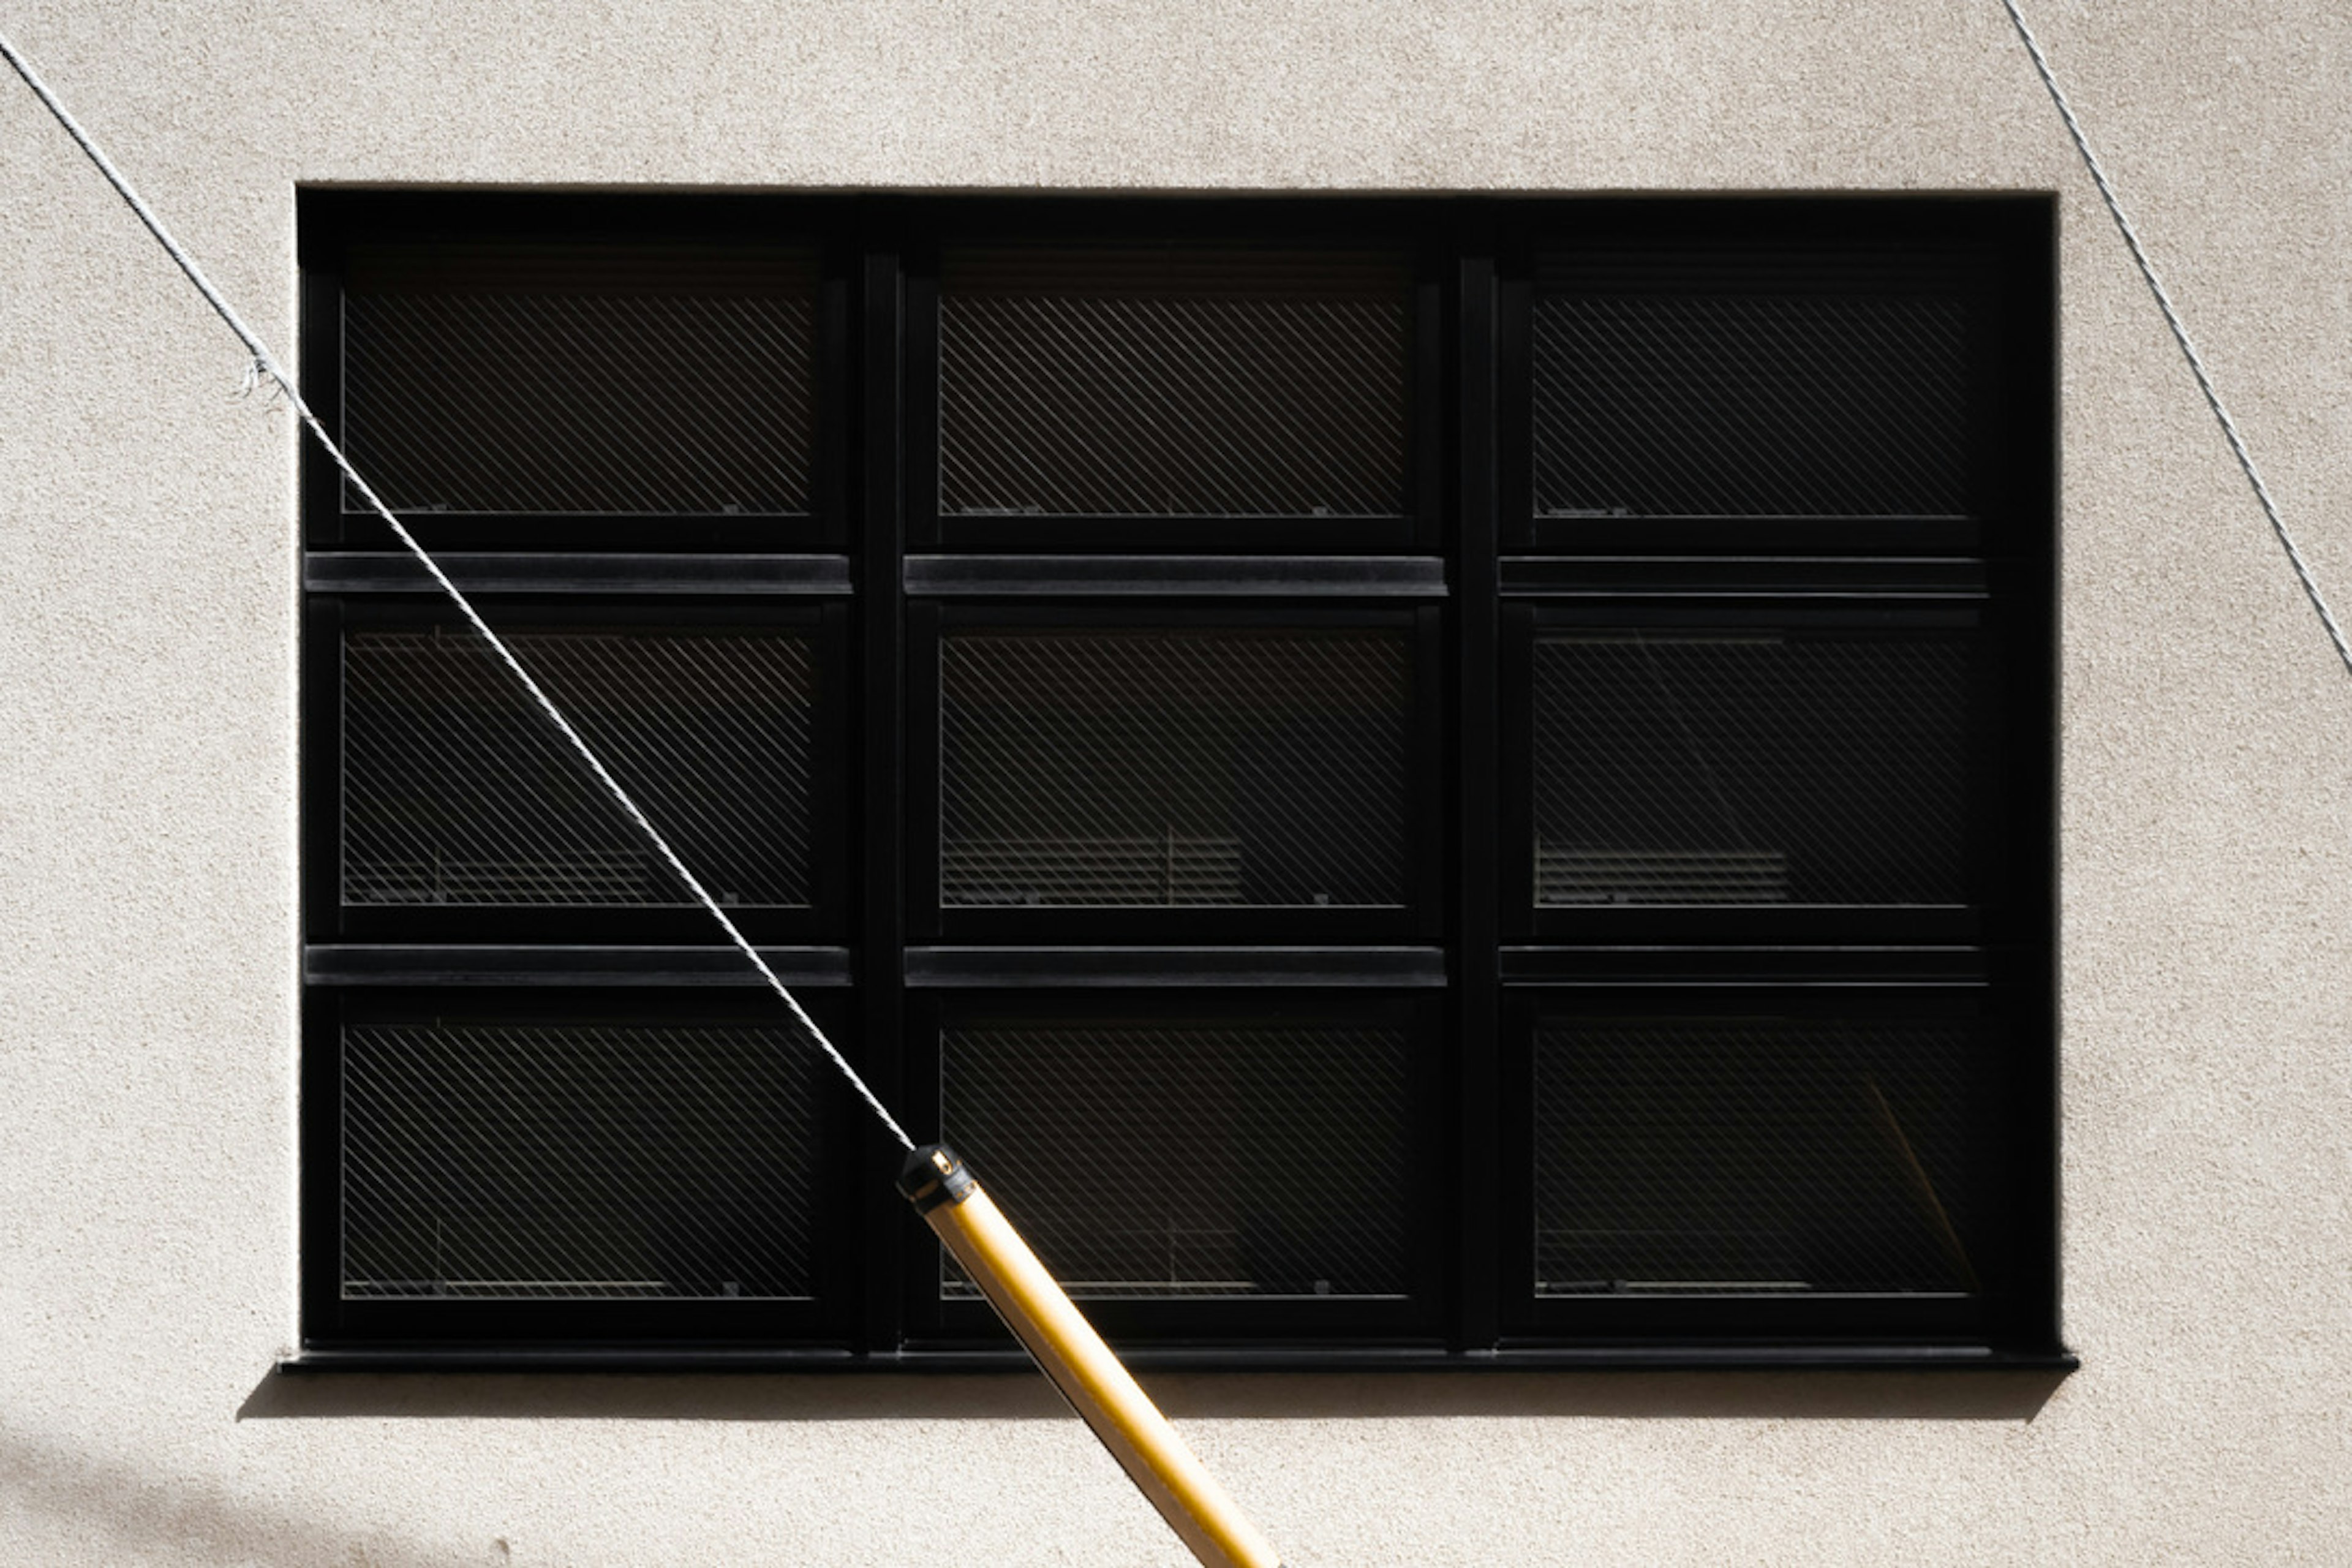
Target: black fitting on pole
x=932, y=1176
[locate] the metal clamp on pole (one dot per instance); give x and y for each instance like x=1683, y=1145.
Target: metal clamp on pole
x=1074, y=1356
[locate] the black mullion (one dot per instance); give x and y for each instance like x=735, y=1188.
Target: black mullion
x=323, y=782
x=1477, y=780
x=920, y=324
x=2027, y=581
x=832, y=869
x=320, y=1077
x=1427, y=787
x=917, y=1251
x=880, y=826
x=1513, y=417
x=832, y=484
x=320, y=368
x=1425, y=466
x=919, y=881
x=1514, y=883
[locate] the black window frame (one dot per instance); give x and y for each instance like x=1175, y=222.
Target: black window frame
x=1473, y=570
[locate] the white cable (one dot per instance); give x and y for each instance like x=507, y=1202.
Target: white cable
x=2180, y=335
x=269, y=366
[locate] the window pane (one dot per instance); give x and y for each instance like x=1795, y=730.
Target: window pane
x=457, y=791
x=1192, y=384
x=618, y=379
x=499, y=1161
x=1749, y=768
x=1176, y=1158
x=1230, y=767
x=1753, y=1154
x=1731, y=399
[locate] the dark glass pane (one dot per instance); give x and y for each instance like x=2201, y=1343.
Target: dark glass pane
x=1193, y=383
x=1720, y=400
x=1749, y=768
x=1174, y=1158
x=499, y=1161
x=457, y=790
x=1173, y=767
x=1754, y=1154
x=617, y=379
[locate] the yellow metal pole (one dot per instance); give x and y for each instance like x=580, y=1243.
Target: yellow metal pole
x=1075, y=1357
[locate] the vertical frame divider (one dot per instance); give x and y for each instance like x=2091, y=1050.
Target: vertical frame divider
x=2032, y=538
x=321, y=361
x=836, y=483
x=319, y=1077
x=879, y=522
x=1477, y=971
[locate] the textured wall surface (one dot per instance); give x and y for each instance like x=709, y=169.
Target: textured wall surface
x=148, y=751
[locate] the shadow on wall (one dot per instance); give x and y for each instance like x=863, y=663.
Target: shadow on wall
x=112, y=1509
x=1013, y=1396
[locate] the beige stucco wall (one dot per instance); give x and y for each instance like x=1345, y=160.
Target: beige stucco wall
x=147, y=766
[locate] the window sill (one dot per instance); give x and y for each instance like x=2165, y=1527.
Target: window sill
x=1615, y=1358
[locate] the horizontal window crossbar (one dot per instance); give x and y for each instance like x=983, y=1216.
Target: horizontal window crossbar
x=468, y=964
x=941, y=967
x=484, y=572
x=1684, y=965
x=1725, y=576
x=1340, y=577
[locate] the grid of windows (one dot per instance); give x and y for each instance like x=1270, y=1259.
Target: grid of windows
x=1407, y=780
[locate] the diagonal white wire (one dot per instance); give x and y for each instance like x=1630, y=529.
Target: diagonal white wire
x=2180, y=333
x=267, y=364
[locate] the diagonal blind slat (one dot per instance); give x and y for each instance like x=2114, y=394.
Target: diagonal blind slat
x=1191, y=1159
x=584, y=381
x=457, y=792
x=1177, y=768
x=1194, y=385
x=572, y=1161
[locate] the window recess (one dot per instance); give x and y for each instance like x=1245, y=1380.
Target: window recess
x=1449, y=783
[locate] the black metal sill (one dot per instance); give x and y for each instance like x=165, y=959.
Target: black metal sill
x=1204, y=1359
